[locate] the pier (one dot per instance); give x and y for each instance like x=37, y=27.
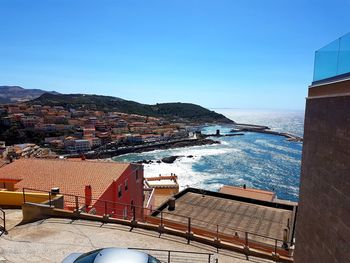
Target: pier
x=240, y=127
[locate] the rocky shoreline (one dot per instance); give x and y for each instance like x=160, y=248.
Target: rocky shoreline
x=147, y=148
x=168, y=159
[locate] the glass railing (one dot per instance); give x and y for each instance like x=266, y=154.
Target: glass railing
x=333, y=60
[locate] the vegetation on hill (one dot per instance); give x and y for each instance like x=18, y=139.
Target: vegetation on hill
x=187, y=111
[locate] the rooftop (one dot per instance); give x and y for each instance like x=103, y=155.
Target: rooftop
x=248, y=192
x=52, y=239
x=163, y=183
x=71, y=176
x=233, y=214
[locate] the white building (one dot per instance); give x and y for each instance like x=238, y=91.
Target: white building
x=82, y=145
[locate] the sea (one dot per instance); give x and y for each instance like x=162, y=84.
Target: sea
x=258, y=160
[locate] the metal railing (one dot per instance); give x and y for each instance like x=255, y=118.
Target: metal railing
x=221, y=232
x=172, y=256
x=189, y=226
x=2, y=222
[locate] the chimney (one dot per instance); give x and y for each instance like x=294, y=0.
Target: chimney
x=55, y=190
x=88, y=195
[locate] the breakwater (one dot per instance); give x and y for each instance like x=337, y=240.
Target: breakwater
x=239, y=127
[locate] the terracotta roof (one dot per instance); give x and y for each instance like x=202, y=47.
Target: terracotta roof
x=248, y=192
x=70, y=176
x=2, y=163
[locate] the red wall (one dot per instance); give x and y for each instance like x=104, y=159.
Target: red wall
x=133, y=193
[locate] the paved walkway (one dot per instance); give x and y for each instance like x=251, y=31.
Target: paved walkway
x=52, y=239
x=13, y=218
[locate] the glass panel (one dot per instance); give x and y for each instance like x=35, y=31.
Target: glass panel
x=88, y=257
x=333, y=60
x=326, y=61
x=152, y=259
x=344, y=55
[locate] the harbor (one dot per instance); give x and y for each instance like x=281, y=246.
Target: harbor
x=241, y=127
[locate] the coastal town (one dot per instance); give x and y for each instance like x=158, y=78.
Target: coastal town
x=77, y=131
x=43, y=131
x=89, y=178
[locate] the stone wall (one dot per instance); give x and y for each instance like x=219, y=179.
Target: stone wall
x=323, y=222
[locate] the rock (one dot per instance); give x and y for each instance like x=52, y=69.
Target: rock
x=169, y=159
x=159, y=161
x=145, y=161
x=189, y=156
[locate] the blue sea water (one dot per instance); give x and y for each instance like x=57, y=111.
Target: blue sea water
x=258, y=160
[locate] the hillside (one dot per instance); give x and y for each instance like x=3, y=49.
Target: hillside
x=187, y=111
x=14, y=94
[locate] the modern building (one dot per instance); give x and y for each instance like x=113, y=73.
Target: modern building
x=94, y=182
x=323, y=222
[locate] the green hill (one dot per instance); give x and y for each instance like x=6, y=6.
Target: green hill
x=187, y=111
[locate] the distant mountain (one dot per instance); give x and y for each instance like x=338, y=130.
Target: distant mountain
x=14, y=94
x=187, y=111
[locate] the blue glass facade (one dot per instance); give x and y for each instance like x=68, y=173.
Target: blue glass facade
x=333, y=60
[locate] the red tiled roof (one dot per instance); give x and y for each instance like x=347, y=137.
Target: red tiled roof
x=2, y=163
x=70, y=176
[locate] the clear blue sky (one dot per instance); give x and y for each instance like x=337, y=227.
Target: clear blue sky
x=233, y=53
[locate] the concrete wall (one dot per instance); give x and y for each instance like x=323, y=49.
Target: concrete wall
x=323, y=221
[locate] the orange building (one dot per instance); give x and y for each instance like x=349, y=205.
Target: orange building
x=95, y=182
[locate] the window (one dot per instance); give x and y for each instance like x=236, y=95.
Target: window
x=152, y=259
x=126, y=185
x=88, y=257
x=120, y=191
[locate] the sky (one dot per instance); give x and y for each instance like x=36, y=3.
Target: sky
x=217, y=53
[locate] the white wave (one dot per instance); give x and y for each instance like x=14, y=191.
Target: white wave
x=275, y=146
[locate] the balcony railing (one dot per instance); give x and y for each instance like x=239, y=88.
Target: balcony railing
x=172, y=223
x=332, y=62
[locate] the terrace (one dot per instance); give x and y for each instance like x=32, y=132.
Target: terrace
x=232, y=217
x=201, y=217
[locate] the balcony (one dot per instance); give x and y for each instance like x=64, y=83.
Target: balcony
x=332, y=62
